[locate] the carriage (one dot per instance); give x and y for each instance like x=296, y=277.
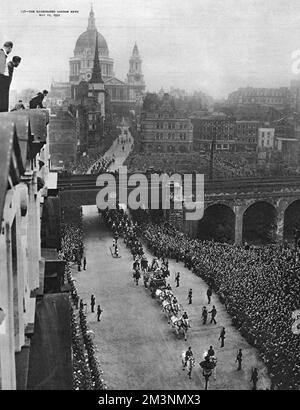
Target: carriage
x=156, y=281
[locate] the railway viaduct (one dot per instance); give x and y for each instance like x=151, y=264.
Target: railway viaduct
x=275, y=201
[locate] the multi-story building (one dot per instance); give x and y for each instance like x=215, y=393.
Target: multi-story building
x=246, y=135
x=216, y=127
x=63, y=137
x=266, y=139
x=31, y=355
x=278, y=98
x=295, y=95
x=166, y=130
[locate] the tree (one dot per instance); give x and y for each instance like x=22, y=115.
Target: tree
x=151, y=102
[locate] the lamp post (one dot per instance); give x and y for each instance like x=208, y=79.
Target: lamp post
x=211, y=164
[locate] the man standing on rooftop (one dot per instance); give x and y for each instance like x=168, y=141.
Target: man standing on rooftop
x=4, y=76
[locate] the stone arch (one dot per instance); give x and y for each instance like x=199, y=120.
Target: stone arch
x=260, y=223
x=291, y=219
x=218, y=223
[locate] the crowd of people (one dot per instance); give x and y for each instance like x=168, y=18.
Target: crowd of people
x=87, y=374
x=95, y=164
x=260, y=288
x=225, y=164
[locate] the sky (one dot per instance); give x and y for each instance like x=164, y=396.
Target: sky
x=214, y=46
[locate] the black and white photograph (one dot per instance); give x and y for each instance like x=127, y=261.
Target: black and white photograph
x=150, y=198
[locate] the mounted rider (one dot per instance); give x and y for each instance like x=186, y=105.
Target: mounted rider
x=188, y=355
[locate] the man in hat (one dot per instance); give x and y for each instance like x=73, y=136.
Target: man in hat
x=99, y=311
x=209, y=294
x=254, y=378
x=239, y=359
x=190, y=296
x=177, y=278
x=204, y=315
x=93, y=302
x=213, y=315
x=37, y=101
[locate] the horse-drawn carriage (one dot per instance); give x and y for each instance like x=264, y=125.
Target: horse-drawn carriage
x=156, y=281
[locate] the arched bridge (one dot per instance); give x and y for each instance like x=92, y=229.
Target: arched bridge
x=244, y=203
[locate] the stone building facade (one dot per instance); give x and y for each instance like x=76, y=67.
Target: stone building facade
x=166, y=129
x=25, y=192
x=278, y=98
x=218, y=128
x=246, y=135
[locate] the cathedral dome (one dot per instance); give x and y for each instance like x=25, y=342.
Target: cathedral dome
x=86, y=43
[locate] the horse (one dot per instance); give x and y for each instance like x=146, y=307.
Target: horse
x=189, y=364
x=180, y=325
x=213, y=360
x=168, y=309
x=163, y=294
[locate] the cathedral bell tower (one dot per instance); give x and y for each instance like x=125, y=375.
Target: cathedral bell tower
x=135, y=75
x=96, y=83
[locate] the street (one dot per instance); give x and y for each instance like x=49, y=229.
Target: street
x=137, y=347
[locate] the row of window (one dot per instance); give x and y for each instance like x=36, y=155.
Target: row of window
x=218, y=137
x=266, y=133
x=171, y=125
x=222, y=146
x=160, y=136
x=266, y=143
x=251, y=140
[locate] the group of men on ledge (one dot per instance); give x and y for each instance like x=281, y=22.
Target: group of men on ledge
x=6, y=75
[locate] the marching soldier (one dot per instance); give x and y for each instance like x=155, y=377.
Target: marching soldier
x=239, y=359
x=254, y=378
x=222, y=336
x=99, y=311
x=190, y=296
x=177, y=278
x=93, y=302
x=213, y=315
x=204, y=315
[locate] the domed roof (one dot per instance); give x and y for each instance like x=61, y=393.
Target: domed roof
x=87, y=41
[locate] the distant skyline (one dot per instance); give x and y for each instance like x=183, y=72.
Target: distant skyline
x=214, y=46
